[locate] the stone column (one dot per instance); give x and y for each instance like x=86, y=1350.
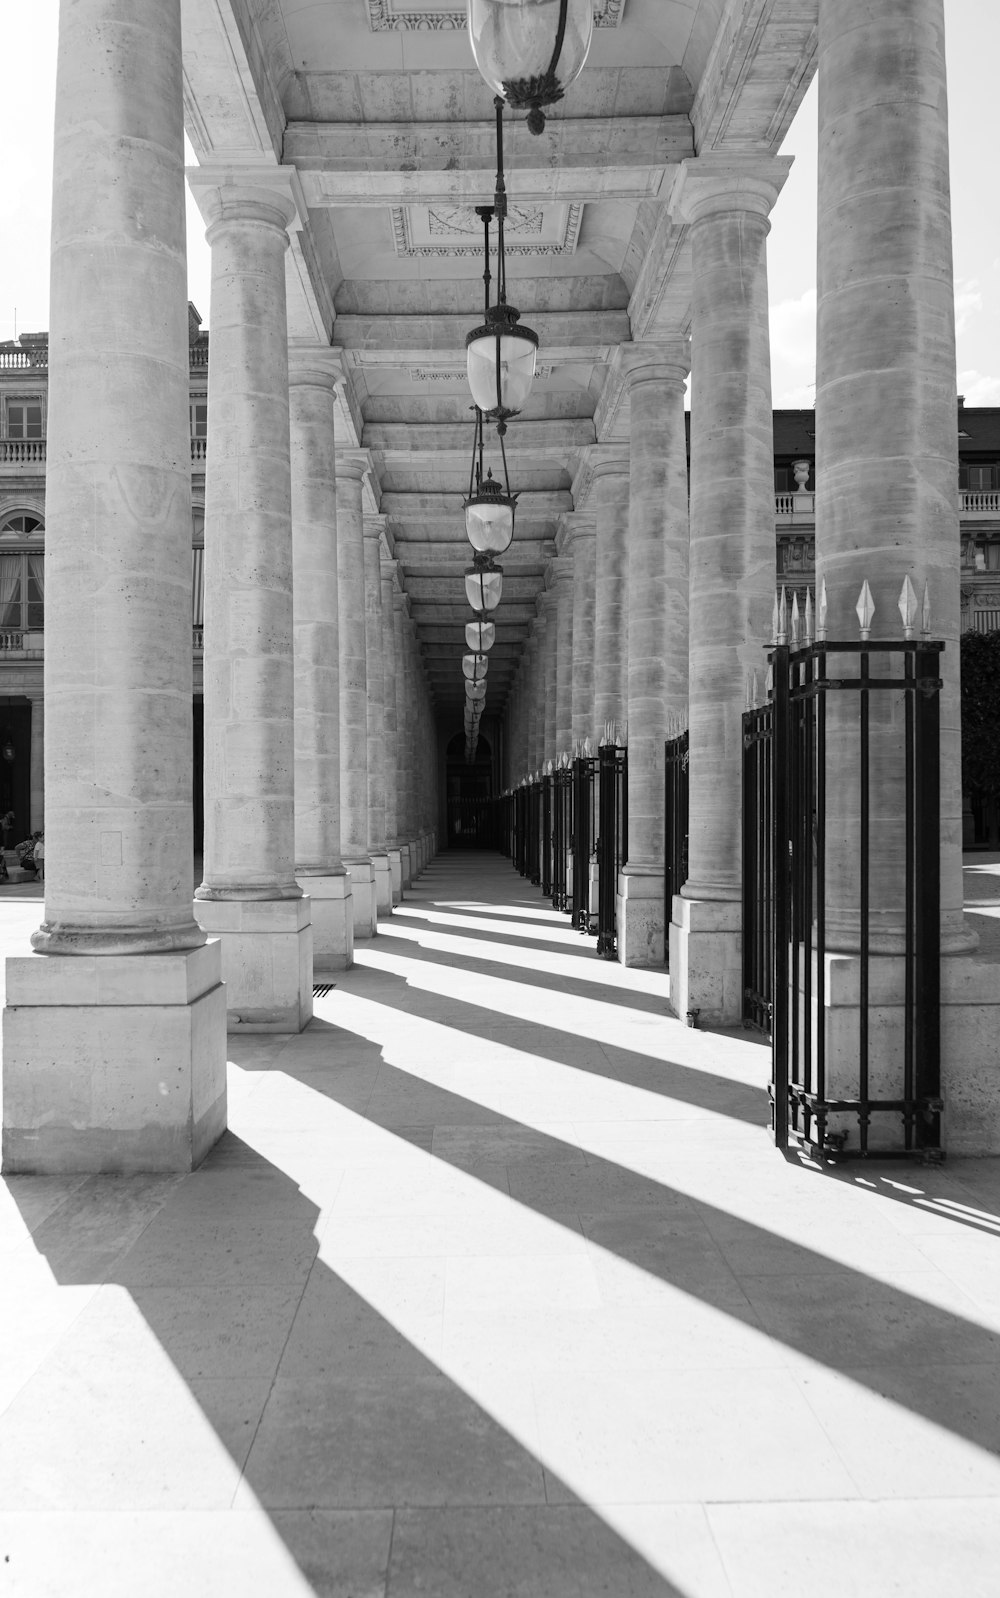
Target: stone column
x=726, y=200
x=563, y=738
x=388, y=581
x=886, y=461
x=375, y=669
x=114, y=1046
x=610, y=493
x=584, y=596
x=250, y=896
x=528, y=707
x=549, y=750
x=538, y=683
x=657, y=629
x=353, y=650
x=403, y=800
x=36, y=773
x=313, y=374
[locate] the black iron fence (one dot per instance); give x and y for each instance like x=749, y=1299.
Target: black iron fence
x=584, y=839
x=675, y=804
x=758, y=866
x=612, y=842
x=562, y=834
x=545, y=837
x=838, y=1093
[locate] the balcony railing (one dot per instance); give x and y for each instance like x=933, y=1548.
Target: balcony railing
x=982, y=502
x=10, y=640
x=795, y=505
x=22, y=451
x=22, y=360
x=199, y=449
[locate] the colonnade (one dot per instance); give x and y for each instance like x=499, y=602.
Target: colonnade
x=673, y=589
x=317, y=708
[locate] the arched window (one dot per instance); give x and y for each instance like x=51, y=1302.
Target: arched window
x=22, y=577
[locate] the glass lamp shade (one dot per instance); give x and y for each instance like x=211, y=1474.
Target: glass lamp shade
x=501, y=348
x=489, y=518
x=480, y=636
x=483, y=588
x=530, y=51
x=475, y=667
x=475, y=692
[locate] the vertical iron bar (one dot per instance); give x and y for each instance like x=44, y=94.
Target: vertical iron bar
x=864, y=1113
x=779, y=790
x=820, y=1072
x=909, y=951
x=928, y=887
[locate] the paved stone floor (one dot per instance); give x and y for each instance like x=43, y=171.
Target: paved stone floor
x=496, y=1288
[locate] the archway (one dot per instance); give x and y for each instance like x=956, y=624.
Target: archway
x=470, y=791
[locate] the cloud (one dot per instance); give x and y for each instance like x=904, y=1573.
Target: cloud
x=968, y=301
x=979, y=388
x=793, y=332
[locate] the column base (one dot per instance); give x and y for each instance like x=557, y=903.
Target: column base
x=406, y=865
x=383, y=884
x=970, y=1026
x=332, y=921
x=416, y=856
x=113, y=1063
x=396, y=874
x=706, y=961
x=363, y=898
x=641, y=918
x=267, y=960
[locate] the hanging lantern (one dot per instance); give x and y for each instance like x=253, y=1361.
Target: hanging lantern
x=483, y=587
x=489, y=509
x=475, y=691
x=475, y=667
x=480, y=636
x=530, y=51
x=500, y=355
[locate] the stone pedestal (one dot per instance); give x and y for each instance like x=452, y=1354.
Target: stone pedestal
x=332, y=903
x=396, y=874
x=113, y=1064
x=363, y=900
x=406, y=866
x=267, y=960
x=382, y=873
x=726, y=200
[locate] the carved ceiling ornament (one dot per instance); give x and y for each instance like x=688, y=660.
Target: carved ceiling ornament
x=455, y=231
x=384, y=17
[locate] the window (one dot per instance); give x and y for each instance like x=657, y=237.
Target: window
x=22, y=592
x=24, y=421
x=988, y=555
x=199, y=418
x=21, y=526
x=979, y=479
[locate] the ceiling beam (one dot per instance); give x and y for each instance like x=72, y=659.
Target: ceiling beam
x=561, y=333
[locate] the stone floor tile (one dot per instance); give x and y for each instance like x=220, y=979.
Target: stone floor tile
x=385, y=1322
x=831, y=1550
x=84, y=1239
x=724, y=1435
x=502, y=1230
x=398, y=1440
x=27, y=1201
x=557, y=1551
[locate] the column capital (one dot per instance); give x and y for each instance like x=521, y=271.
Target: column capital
x=272, y=195
x=377, y=526
x=401, y=602
x=561, y=570
x=314, y=366
x=598, y=461
x=653, y=361
x=355, y=464
x=717, y=183
x=574, y=525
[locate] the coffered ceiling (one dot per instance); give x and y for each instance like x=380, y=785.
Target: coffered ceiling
x=378, y=106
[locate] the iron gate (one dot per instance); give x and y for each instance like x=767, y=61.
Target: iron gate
x=533, y=852
x=758, y=887
x=825, y=1091
x=584, y=818
x=545, y=844
x=675, y=801
x=612, y=843
x=562, y=833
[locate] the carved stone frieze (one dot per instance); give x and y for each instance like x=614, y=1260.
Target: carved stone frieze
x=384, y=17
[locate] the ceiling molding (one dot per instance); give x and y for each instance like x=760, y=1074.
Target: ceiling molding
x=449, y=223
x=383, y=17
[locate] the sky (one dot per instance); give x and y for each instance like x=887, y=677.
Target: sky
x=973, y=34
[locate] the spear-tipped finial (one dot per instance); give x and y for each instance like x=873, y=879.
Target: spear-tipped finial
x=774, y=621
x=925, y=614
x=865, y=610
x=809, y=616
x=795, y=618
x=588, y=748
x=907, y=607
x=748, y=701
x=769, y=681
x=781, y=632
x=754, y=699
x=821, y=614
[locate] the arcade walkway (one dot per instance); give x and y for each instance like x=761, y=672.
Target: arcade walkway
x=497, y=1289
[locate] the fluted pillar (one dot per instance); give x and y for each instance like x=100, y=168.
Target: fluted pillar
x=374, y=643
x=353, y=652
x=563, y=735
x=657, y=605
x=726, y=201
x=610, y=498
x=313, y=374
x=583, y=544
x=548, y=600
x=538, y=683
x=114, y=1044
x=388, y=581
